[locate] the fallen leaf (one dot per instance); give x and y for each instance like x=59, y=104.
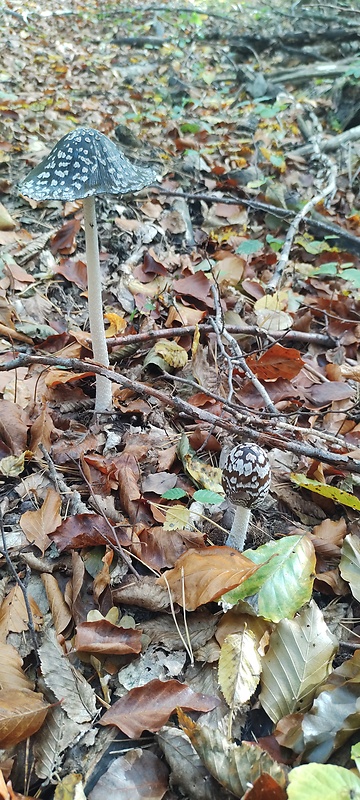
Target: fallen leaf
x=204, y=575
x=104, y=637
x=38, y=524
x=149, y=707
x=22, y=713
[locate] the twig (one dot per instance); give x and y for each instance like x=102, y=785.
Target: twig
x=342, y=461
x=324, y=340
x=337, y=441
x=75, y=505
x=220, y=329
x=315, y=139
x=293, y=229
x=329, y=144
x=315, y=223
x=22, y=585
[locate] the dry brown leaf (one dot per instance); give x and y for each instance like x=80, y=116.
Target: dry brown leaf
x=13, y=426
x=102, y=579
x=87, y=530
x=60, y=611
x=41, y=431
x=55, y=376
x=160, y=548
x=144, y=594
x=22, y=713
x=149, y=707
x=11, y=672
x=38, y=524
x=6, y=790
x=13, y=613
x=102, y=636
x=265, y=788
x=204, y=575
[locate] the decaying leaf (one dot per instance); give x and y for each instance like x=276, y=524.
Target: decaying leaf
x=239, y=668
x=234, y=766
x=297, y=662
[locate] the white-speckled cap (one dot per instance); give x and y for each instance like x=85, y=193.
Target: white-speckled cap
x=246, y=475
x=83, y=163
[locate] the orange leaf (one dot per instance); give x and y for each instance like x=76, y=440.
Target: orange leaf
x=57, y=376
x=13, y=614
x=204, y=575
x=22, y=713
x=38, y=524
x=149, y=707
x=277, y=362
x=265, y=788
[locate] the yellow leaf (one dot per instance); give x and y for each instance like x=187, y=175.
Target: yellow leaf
x=335, y=494
x=273, y=302
x=177, y=517
x=172, y=353
x=203, y=474
x=196, y=340
x=239, y=668
x=12, y=466
x=117, y=324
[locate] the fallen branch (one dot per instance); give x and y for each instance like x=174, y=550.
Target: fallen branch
x=343, y=460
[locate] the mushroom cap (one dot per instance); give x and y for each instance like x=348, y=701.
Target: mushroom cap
x=83, y=163
x=246, y=475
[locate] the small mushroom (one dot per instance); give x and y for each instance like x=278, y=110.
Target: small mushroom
x=246, y=478
x=82, y=164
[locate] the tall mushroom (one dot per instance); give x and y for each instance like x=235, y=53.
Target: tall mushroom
x=82, y=164
x=246, y=478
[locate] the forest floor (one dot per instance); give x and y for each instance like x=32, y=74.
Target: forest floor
x=231, y=306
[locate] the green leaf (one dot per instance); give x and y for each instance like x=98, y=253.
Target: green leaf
x=355, y=754
x=208, y=497
x=326, y=269
x=335, y=494
x=297, y=662
x=352, y=275
x=320, y=781
x=283, y=583
x=248, y=247
x=311, y=245
x=275, y=244
x=350, y=563
x=174, y=494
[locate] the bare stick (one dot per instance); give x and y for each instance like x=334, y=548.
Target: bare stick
x=144, y=390
x=220, y=328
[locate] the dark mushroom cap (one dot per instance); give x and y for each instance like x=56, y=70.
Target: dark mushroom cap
x=83, y=163
x=246, y=475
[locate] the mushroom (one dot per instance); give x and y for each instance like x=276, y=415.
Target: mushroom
x=82, y=164
x=246, y=478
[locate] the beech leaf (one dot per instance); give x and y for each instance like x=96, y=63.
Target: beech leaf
x=149, y=707
x=204, y=575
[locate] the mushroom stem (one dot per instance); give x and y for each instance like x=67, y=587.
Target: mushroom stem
x=237, y=536
x=103, y=396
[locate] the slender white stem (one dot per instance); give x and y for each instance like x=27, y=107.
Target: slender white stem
x=237, y=535
x=103, y=397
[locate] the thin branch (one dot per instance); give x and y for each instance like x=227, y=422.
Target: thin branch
x=342, y=461
x=220, y=329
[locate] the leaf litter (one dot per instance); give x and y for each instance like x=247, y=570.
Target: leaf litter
x=231, y=308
